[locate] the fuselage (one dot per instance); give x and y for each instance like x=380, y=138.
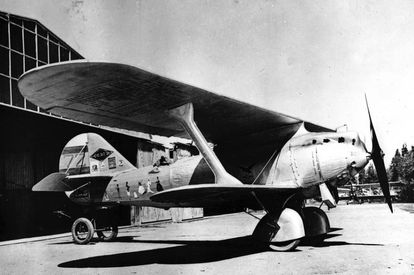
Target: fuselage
x=306, y=160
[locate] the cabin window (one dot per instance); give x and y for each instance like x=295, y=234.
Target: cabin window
x=326, y=140
x=341, y=139
x=314, y=141
x=353, y=141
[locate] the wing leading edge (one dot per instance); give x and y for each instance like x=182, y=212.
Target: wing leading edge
x=124, y=96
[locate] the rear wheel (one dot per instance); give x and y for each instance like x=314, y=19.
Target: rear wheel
x=82, y=231
x=108, y=234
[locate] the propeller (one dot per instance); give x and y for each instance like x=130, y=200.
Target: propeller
x=377, y=157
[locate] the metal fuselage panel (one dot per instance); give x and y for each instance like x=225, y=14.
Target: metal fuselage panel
x=314, y=158
x=304, y=162
x=136, y=186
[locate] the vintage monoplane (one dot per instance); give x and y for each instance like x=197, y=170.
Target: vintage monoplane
x=288, y=160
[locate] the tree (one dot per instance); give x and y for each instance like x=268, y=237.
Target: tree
x=393, y=172
x=402, y=168
x=404, y=150
x=371, y=174
x=406, y=168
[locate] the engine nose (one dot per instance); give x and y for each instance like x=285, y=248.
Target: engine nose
x=360, y=157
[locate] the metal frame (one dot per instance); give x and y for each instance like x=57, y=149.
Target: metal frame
x=35, y=32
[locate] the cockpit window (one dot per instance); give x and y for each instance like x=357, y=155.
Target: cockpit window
x=341, y=140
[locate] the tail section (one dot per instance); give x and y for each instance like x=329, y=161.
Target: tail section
x=90, y=154
x=86, y=158
x=55, y=182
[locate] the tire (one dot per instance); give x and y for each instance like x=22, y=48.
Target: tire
x=82, y=231
x=284, y=246
x=108, y=235
x=267, y=229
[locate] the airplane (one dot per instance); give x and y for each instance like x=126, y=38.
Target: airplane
x=289, y=160
x=357, y=192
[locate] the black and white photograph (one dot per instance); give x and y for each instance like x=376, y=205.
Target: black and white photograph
x=206, y=137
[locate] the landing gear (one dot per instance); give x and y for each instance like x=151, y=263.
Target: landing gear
x=280, y=233
x=82, y=231
x=108, y=234
x=284, y=232
x=316, y=225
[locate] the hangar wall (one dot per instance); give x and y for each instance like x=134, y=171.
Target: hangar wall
x=30, y=148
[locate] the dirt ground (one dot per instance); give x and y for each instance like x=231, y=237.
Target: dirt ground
x=366, y=239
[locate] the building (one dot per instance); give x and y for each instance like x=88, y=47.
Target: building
x=24, y=45
x=32, y=139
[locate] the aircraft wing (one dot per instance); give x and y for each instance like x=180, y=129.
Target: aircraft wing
x=127, y=97
x=202, y=195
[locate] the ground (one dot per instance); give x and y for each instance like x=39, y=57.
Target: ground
x=366, y=239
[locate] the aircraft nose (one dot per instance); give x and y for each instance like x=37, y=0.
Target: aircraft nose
x=360, y=158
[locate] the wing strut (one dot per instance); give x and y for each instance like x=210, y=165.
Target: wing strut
x=185, y=115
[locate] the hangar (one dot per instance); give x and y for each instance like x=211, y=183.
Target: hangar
x=32, y=139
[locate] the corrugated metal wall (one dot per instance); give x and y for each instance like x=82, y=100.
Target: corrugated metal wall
x=30, y=146
x=30, y=149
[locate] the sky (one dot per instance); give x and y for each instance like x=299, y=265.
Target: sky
x=313, y=60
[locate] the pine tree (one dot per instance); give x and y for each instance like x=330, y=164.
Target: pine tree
x=393, y=172
x=404, y=150
x=406, y=165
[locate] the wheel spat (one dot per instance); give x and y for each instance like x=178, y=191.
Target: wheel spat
x=377, y=157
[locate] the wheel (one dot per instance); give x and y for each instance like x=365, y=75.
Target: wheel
x=284, y=246
x=108, y=234
x=82, y=231
x=282, y=233
x=316, y=222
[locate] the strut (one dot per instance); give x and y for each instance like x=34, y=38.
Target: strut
x=185, y=115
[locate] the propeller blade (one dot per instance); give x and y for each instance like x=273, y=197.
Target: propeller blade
x=377, y=157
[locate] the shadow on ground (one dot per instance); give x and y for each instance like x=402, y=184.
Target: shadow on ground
x=186, y=252
x=406, y=207
x=325, y=242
